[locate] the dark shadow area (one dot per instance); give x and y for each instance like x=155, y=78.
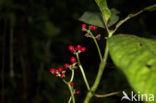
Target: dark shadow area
x=34, y=37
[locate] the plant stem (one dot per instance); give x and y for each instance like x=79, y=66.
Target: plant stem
x=72, y=76
x=101, y=67
x=106, y=95
x=106, y=25
x=71, y=91
x=65, y=82
x=99, y=75
x=84, y=77
x=70, y=99
x=95, y=41
x=70, y=88
x=82, y=71
x=126, y=19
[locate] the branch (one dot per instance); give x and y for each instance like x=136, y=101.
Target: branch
x=126, y=19
x=95, y=41
x=99, y=75
x=69, y=101
x=82, y=71
x=106, y=95
x=106, y=25
x=71, y=92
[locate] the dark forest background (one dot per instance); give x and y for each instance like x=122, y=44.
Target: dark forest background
x=34, y=37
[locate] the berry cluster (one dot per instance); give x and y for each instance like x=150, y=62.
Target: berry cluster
x=93, y=28
x=75, y=91
x=78, y=48
x=84, y=26
x=58, y=72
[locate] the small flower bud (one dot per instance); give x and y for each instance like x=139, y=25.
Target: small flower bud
x=98, y=37
x=87, y=35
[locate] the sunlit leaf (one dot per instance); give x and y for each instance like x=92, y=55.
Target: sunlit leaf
x=102, y=4
x=136, y=57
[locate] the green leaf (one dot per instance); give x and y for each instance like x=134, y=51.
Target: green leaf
x=136, y=57
x=114, y=17
x=102, y=4
x=94, y=18
x=150, y=8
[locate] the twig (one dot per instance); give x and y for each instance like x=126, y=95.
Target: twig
x=101, y=67
x=72, y=76
x=69, y=101
x=97, y=46
x=106, y=25
x=71, y=91
x=127, y=18
x=99, y=75
x=106, y=95
x=82, y=71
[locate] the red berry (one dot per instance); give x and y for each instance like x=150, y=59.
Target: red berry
x=62, y=75
x=93, y=28
x=83, y=49
x=77, y=92
x=71, y=48
x=53, y=70
x=72, y=84
x=60, y=69
x=66, y=66
x=73, y=59
x=84, y=25
x=78, y=47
